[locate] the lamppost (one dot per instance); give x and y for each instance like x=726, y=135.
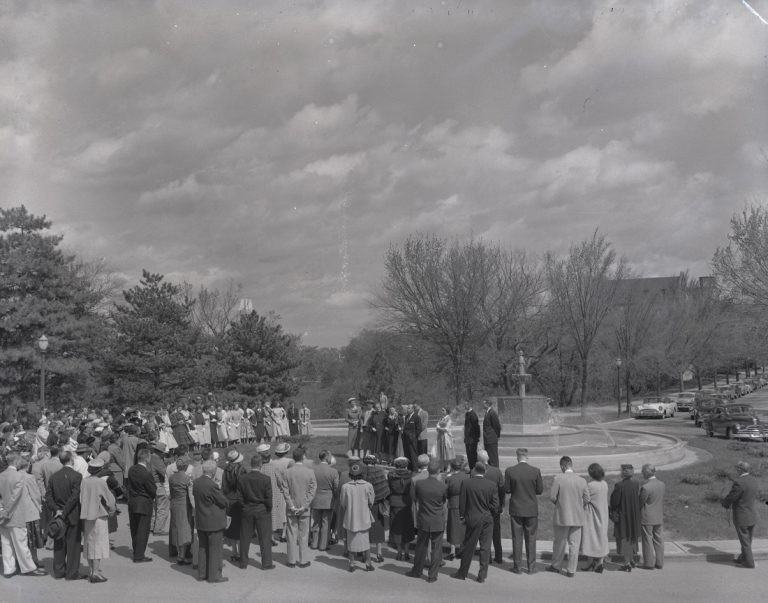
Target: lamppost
x=618, y=387
x=42, y=343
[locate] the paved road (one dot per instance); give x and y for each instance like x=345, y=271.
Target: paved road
x=698, y=581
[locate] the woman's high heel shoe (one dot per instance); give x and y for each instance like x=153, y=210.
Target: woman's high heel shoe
x=599, y=569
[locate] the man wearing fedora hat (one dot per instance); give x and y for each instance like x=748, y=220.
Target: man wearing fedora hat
x=276, y=477
x=161, y=516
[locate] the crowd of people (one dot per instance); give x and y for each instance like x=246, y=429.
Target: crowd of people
x=60, y=489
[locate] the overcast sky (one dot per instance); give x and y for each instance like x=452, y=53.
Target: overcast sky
x=285, y=145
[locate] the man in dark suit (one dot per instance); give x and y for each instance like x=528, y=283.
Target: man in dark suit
x=62, y=499
x=423, y=441
x=430, y=497
x=471, y=434
x=210, y=520
x=141, y=495
x=523, y=483
x=491, y=433
x=494, y=475
x=741, y=499
x=255, y=491
x=322, y=505
x=411, y=430
x=478, y=503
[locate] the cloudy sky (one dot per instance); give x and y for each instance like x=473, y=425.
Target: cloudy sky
x=285, y=145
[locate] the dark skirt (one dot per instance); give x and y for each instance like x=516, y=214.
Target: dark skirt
x=378, y=528
x=455, y=528
x=401, y=529
x=260, y=432
x=181, y=435
x=214, y=427
x=233, y=529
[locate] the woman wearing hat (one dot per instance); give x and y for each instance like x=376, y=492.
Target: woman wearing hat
x=401, y=530
x=377, y=477
x=625, y=513
x=356, y=500
x=96, y=504
x=353, y=419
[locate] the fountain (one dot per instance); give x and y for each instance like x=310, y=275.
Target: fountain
x=523, y=414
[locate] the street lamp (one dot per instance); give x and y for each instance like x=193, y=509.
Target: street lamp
x=42, y=343
x=618, y=387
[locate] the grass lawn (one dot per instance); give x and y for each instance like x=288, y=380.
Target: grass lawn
x=692, y=508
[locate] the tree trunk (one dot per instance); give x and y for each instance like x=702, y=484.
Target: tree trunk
x=626, y=387
x=698, y=379
x=584, y=378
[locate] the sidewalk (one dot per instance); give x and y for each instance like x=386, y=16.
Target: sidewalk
x=675, y=550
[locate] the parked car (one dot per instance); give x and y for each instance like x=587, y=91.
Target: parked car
x=727, y=390
x=684, y=400
x=737, y=421
x=702, y=407
x=658, y=407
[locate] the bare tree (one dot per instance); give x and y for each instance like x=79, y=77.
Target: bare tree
x=214, y=309
x=436, y=289
x=582, y=288
x=103, y=284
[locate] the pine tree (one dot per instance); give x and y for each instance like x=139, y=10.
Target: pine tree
x=380, y=378
x=260, y=358
x=41, y=292
x=153, y=352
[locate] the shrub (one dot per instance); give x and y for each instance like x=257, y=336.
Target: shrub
x=696, y=479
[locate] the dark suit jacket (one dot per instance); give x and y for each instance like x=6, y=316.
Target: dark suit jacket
x=210, y=505
x=491, y=427
x=63, y=494
x=478, y=500
x=255, y=491
x=412, y=426
x=471, y=426
x=141, y=490
x=741, y=499
x=494, y=475
x=431, y=495
x=523, y=483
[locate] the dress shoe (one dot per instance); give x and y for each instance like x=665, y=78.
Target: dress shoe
x=379, y=558
x=97, y=579
x=303, y=565
x=268, y=567
x=412, y=574
x=516, y=570
x=430, y=580
x=658, y=567
x=219, y=580
x=570, y=574
x=553, y=569
x=480, y=580
x=450, y=557
x=143, y=560
x=626, y=568
x=36, y=572
x=183, y=562
x=599, y=569
x=399, y=557
x=458, y=576
x=290, y=564
x=80, y=577
x=369, y=568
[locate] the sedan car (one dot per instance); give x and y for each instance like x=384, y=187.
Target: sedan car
x=658, y=407
x=685, y=401
x=737, y=421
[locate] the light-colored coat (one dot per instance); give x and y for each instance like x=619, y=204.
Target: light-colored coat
x=16, y=497
x=594, y=536
x=299, y=487
x=652, y=502
x=96, y=499
x=356, y=499
x=570, y=494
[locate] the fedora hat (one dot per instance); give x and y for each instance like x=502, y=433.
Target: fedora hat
x=233, y=456
x=159, y=446
x=282, y=448
x=263, y=448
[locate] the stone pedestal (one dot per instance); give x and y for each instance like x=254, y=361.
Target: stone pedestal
x=528, y=415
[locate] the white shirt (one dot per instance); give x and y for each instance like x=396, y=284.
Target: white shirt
x=80, y=465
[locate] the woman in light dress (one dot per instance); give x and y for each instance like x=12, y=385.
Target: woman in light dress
x=305, y=416
x=246, y=427
x=96, y=504
x=202, y=429
x=165, y=431
x=280, y=421
x=222, y=417
x=269, y=421
x=594, y=538
x=445, y=451
x=235, y=419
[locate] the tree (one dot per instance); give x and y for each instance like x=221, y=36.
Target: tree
x=380, y=378
x=153, y=353
x=42, y=292
x=435, y=289
x=582, y=288
x=741, y=267
x=214, y=309
x=260, y=358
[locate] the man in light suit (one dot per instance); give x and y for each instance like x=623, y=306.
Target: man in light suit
x=523, y=483
x=652, y=518
x=430, y=497
x=322, y=505
x=210, y=521
x=491, y=433
x=569, y=493
x=18, y=508
x=741, y=499
x=299, y=489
